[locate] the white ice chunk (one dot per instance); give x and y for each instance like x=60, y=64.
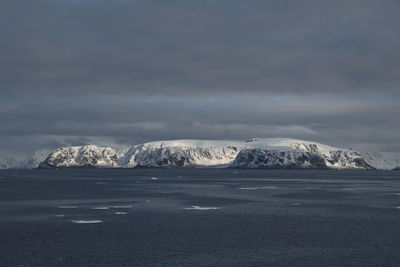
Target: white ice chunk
x=86, y=221
x=202, y=208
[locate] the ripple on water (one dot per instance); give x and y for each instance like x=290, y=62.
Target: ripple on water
x=67, y=207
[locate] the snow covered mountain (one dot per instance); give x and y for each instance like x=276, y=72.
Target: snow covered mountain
x=37, y=158
x=380, y=160
x=308, y=157
x=254, y=153
x=81, y=156
x=181, y=153
x=7, y=163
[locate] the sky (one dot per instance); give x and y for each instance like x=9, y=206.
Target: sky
x=118, y=73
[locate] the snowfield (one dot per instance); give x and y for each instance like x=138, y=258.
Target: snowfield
x=253, y=153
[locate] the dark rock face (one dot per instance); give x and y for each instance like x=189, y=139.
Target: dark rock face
x=162, y=158
x=309, y=157
x=339, y=157
x=396, y=169
x=269, y=159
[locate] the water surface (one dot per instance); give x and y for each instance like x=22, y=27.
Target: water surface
x=199, y=217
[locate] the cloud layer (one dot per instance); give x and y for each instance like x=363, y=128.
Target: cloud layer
x=120, y=72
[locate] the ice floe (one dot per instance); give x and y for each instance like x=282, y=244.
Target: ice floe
x=86, y=221
x=202, y=208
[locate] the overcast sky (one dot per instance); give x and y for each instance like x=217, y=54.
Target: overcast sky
x=75, y=72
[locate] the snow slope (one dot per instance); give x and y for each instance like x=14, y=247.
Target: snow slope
x=81, y=156
x=181, y=153
x=381, y=160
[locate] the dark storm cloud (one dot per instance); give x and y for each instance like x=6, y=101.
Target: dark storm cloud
x=199, y=47
x=76, y=72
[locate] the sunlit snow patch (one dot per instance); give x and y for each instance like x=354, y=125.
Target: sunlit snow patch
x=60, y=215
x=202, y=208
x=154, y=178
x=121, y=213
x=67, y=207
x=86, y=221
x=100, y=208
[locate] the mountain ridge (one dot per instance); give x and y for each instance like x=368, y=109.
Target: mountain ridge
x=253, y=153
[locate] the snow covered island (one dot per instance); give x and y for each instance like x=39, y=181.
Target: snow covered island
x=268, y=153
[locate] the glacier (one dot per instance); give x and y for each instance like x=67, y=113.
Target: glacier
x=271, y=153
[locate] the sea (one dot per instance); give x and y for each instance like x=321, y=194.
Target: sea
x=199, y=217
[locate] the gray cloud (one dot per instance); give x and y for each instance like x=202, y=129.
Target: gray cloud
x=121, y=72
x=341, y=122
x=199, y=47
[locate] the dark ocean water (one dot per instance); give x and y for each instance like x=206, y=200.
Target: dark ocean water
x=145, y=217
